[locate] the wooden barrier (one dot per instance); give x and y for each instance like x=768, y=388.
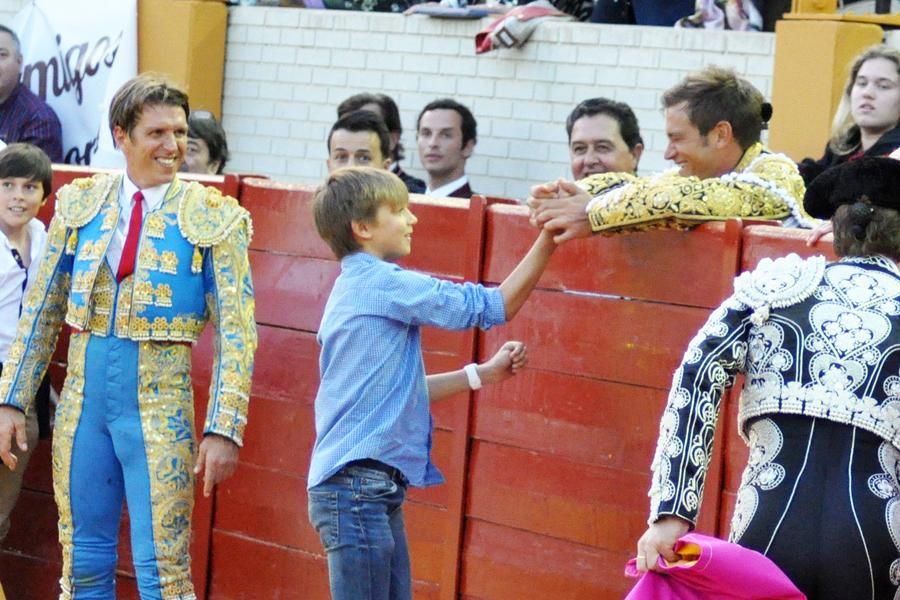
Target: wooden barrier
x=561, y=454
x=293, y=273
x=546, y=473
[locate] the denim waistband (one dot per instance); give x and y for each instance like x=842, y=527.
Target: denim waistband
x=367, y=466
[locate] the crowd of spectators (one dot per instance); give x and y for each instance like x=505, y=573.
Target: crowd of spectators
x=714, y=121
x=730, y=14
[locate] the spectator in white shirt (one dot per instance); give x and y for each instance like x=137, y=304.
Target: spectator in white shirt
x=25, y=180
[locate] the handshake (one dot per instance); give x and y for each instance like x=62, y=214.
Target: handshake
x=560, y=207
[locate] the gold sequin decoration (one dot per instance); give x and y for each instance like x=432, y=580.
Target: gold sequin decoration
x=143, y=292
x=43, y=309
x=762, y=186
x=149, y=258
x=168, y=262
x=155, y=226
x=197, y=261
x=72, y=243
x=232, y=311
x=165, y=397
x=84, y=281
x=68, y=413
x=109, y=220
x=163, y=295
x=101, y=302
x=123, y=307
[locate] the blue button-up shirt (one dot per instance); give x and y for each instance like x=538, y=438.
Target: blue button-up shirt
x=373, y=398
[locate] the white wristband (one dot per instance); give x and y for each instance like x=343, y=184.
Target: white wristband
x=472, y=376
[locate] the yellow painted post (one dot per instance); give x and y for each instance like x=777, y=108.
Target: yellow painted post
x=185, y=39
x=811, y=62
x=813, y=6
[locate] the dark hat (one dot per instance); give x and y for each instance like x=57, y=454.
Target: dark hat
x=878, y=179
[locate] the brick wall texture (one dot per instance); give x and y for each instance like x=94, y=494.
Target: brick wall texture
x=287, y=69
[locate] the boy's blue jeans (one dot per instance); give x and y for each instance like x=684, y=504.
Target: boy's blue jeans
x=358, y=514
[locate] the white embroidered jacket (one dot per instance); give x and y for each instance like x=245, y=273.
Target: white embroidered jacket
x=813, y=339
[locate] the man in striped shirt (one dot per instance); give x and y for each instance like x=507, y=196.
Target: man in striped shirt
x=24, y=117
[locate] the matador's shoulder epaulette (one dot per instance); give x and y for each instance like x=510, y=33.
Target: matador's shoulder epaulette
x=206, y=216
x=778, y=283
x=79, y=201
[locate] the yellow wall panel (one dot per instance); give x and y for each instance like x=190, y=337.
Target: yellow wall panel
x=811, y=62
x=185, y=39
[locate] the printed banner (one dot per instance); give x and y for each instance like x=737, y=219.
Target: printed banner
x=76, y=54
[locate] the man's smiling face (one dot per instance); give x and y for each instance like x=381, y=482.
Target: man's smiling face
x=155, y=147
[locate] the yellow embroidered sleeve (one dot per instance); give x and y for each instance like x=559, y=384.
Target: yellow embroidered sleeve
x=43, y=310
x=603, y=182
x=770, y=188
x=231, y=307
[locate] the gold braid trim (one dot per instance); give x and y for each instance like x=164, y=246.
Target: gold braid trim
x=603, y=182
x=763, y=186
x=231, y=308
x=206, y=217
x=80, y=201
x=42, y=314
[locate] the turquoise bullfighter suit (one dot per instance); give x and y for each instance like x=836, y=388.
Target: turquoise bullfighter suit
x=124, y=424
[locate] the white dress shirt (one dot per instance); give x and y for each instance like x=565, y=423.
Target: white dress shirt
x=12, y=276
x=153, y=198
x=445, y=190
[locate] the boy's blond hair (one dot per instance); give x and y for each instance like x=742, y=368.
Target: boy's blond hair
x=353, y=194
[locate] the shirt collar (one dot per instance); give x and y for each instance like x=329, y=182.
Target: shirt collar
x=448, y=188
x=359, y=257
x=36, y=240
x=153, y=196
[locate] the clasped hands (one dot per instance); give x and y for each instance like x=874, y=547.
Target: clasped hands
x=560, y=207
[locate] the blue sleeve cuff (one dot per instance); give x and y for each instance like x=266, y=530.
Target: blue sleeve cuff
x=495, y=313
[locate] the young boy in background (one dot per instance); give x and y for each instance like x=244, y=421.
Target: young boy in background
x=25, y=179
x=373, y=421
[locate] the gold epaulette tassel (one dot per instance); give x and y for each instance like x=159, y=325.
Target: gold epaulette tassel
x=197, y=261
x=72, y=242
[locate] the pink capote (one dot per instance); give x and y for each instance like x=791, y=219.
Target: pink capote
x=712, y=569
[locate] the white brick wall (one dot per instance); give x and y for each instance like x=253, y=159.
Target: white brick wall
x=287, y=69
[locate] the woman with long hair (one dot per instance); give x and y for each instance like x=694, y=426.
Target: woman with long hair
x=867, y=118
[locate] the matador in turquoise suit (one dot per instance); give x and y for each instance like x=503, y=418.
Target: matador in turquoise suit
x=136, y=264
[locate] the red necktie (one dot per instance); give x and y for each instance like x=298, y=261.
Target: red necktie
x=129, y=250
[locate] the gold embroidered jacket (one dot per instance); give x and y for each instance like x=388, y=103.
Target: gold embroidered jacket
x=762, y=186
x=191, y=267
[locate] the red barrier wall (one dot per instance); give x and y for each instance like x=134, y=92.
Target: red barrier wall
x=546, y=473
x=293, y=272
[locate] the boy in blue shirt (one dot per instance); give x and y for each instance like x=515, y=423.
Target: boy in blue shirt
x=373, y=421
